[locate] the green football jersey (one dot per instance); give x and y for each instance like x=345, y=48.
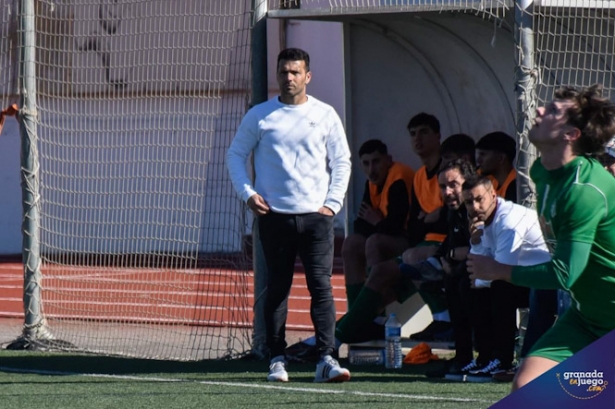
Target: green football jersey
x=576, y=207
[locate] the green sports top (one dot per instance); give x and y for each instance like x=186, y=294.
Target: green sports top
x=576, y=206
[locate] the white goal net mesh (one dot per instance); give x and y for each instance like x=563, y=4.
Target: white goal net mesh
x=575, y=45
x=141, y=235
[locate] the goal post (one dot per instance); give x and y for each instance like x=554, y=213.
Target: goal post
x=34, y=322
x=260, y=93
x=526, y=77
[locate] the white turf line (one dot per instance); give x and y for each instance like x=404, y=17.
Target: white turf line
x=245, y=385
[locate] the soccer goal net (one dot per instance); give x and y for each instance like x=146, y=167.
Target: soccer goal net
x=141, y=235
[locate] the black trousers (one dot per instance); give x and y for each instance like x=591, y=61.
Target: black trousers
x=283, y=237
x=469, y=311
x=484, y=319
x=505, y=299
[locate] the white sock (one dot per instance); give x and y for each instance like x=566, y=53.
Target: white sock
x=442, y=316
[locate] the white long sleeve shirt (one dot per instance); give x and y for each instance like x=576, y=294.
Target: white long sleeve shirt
x=301, y=156
x=514, y=237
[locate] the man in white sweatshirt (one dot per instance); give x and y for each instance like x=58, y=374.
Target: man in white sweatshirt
x=302, y=167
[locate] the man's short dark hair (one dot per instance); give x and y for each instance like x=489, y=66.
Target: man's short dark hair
x=592, y=114
x=476, y=180
x=373, y=145
x=499, y=142
x=295, y=54
x=425, y=119
x=465, y=168
x=459, y=144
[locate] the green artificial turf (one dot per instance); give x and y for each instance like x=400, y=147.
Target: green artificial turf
x=52, y=380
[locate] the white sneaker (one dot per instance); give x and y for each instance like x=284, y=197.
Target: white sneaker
x=329, y=370
x=277, y=370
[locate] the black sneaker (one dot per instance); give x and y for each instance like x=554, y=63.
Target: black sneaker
x=437, y=331
x=485, y=374
x=460, y=373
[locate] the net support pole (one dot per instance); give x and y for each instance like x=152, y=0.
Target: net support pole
x=525, y=88
x=34, y=322
x=260, y=93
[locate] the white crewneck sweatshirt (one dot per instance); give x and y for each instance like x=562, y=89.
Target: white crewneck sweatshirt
x=301, y=156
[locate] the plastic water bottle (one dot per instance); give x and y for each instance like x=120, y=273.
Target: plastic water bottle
x=392, y=349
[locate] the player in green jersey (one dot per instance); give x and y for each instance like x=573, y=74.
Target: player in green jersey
x=576, y=206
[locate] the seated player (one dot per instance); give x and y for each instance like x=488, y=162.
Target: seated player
x=457, y=146
x=495, y=155
x=380, y=226
x=511, y=234
x=448, y=267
